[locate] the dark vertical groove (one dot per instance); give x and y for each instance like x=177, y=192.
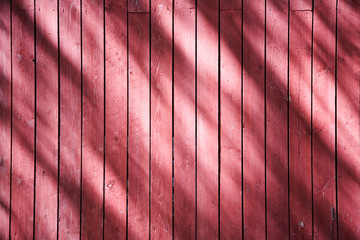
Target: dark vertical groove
x=150, y=123
x=172, y=121
x=336, y=114
x=127, y=120
x=219, y=117
x=11, y=116
x=59, y=130
x=288, y=115
x=266, y=232
x=196, y=10
x=242, y=120
x=35, y=126
x=104, y=119
x=311, y=123
x=81, y=152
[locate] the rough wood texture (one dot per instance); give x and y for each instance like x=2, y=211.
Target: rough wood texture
x=115, y=119
x=254, y=119
x=230, y=5
x=324, y=192
x=348, y=119
x=300, y=125
x=139, y=119
x=276, y=119
x=207, y=119
x=184, y=127
x=138, y=6
x=5, y=117
x=70, y=120
x=46, y=120
x=23, y=117
x=92, y=119
x=161, y=119
x=264, y=126
x=230, y=130
x=301, y=5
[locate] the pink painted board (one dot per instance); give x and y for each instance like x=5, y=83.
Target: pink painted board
x=70, y=120
x=348, y=119
x=184, y=127
x=300, y=125
x=139, y=120
x=115, y=119
x=92, y=119
x=230, y=118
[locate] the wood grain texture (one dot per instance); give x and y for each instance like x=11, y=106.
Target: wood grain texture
x=115, y=119
x=254, y=119
x=300, y=5
x=161, y=119
x=184, y=120
x=138, y=6
x=324, y=202
x=92, y=119
x=230, y=5
x=276, y=119
x=300, y=125
x=230, y=118
x=5, y=117
x=139, y=119
x=46, y=120
x=207, y=119
x=70, y=120
x=348, y=119
x=23, y=117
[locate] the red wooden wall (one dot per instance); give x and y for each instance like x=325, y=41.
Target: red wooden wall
x=185, y=119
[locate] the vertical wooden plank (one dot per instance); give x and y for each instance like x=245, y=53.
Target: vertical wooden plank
x=230, y=5
x=254, y=119
x=5, y=117
x=207, y=119
x=348, y=119
x=324, y=202
x=23, y=120
x=301, y=5
x=46, y=120
x=300, y=124
x=161, y=119
x=115, y=118
x=276, y=119
x=139, y=119
x=70, y=119
x=93, y=120
x=138, y=5
x=184, y=120
x=230, y=118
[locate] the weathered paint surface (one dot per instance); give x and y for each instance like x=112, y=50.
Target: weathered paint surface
x=207, y=119
x=230, y=120
x=323, y=120
x=276, y=119
x=300, y=125
x=46, y=120
x=70, y=120
x=115, y=119
x=161, y=119
x=184, y=127
x=5, y=117
x=23, y=120
x=348, y=119
x=254, y=119
x=92, y=120
x=139, y=120
x=188, y=119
